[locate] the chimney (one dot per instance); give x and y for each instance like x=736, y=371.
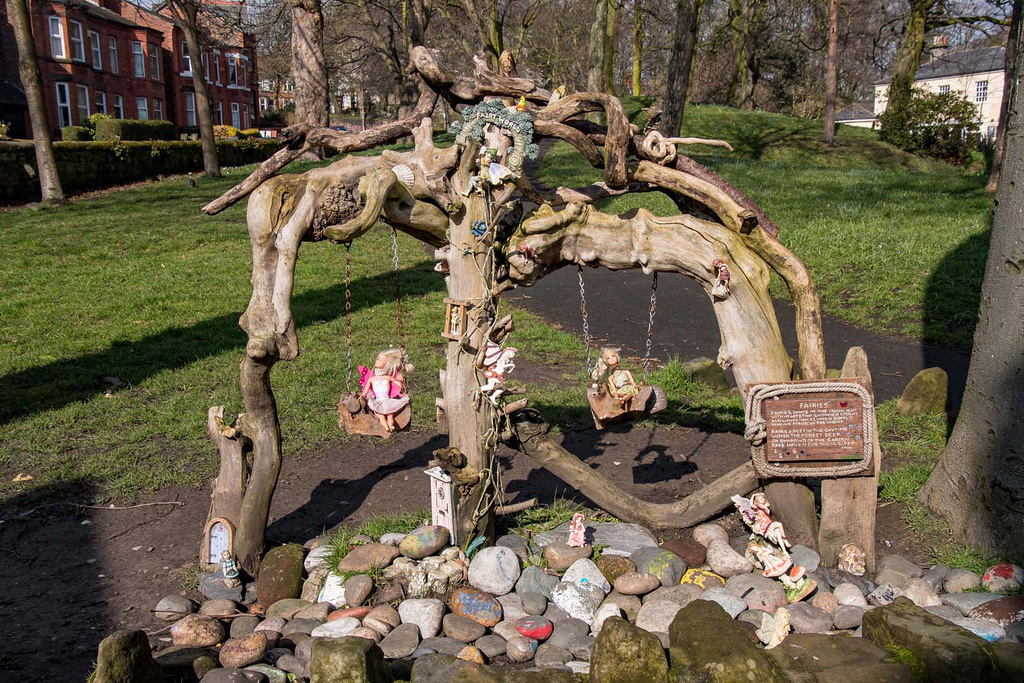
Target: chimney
x=940, y=47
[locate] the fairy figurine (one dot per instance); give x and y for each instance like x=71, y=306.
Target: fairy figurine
x=618, y=382
x=768, y=547
x=384, y=386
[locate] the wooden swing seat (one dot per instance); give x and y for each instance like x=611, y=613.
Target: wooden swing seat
x=362, y=422
x=606, y=410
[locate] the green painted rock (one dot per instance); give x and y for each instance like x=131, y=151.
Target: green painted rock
x=280, y=574
x=125, y=657
x=347, y=660
x=706, y=644
x=424, y=541
x=707, y=371
x=927, y=392
x=838, y=659
x=625, y=654
x=659, y=562
x=934, y=648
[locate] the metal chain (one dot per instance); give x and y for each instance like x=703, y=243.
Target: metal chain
x=583, y=311
x=400, y=318
x=650, y=326
x=348, y=317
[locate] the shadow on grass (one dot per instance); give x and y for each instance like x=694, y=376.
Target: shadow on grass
x=69, y=380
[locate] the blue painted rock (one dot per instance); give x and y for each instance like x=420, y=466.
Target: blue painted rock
x=424, y=541
x=483, y=608
x=537, y=628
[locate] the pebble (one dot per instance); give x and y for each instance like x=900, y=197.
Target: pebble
x=629, y=604
x=491, y=645
x=705, y=533
x=393, y=538
x=382, y=619
x=218, y=608
x=195, y=630
x=825, y=600
x=444, y=645
x=511, y=606
x=292, y=665
x=421, y=651
x=945, y=611
x=693, y=553
x=579, y=668
x=520, y=649
x=506, y=629
x=366, y=557
x=275, y=624
x=339, y=628
x=471, y=654
x=555, y=613
x=536, y=580
x=848, y=616
x=579, y=600
x=661, y=563
x=358, y=589
x=242, y=626
x=517, y=544
x=635, y=583
x=533, y=603
x=357, y=612
x=834, y=577
x=605, y=611
x=318, y=612
x=989, y=630
x=537, y=628
x=729, y=602
x=805, y=557
x=806, y=618
x=173, y=607
x=759, y=592
x=211, y=584
x=682, y=595
x=920, y=593
x=849, y=594
x=233, y=676
x=287, y=607
x=363, y=632
x=1003, y=578
x=494, y=570
x=425, y=613
x=273, y=674
x=702, y=578
x=752, y=616
x=936, y=577
x=424, y=541
x=560, y=556
x=965, y=602
x=401, y=642
x=725, y=561
x=960, y=580
x=461, y=628
x=586, y=572
x=896, y=570
x=885, y=594
x=569, y=633
x=614, y=566
x=239, y=652
x=1003, y=611
x=301, y=626
x=550, y=657
x=317, y=559
x=479, y=606
x=333, y=591
x=658, y=616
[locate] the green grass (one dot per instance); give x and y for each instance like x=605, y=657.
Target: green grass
x=894, y=243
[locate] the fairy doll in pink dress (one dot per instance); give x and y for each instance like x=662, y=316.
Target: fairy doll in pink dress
x=384, y=386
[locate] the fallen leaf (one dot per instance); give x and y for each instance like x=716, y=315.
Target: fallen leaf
x=22, y=477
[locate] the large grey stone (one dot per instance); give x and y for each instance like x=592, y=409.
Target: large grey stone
x=806, y=618
x=618, y=538
x=234, y=676
x=965, y=602
x=578, y=600
x=534, y=579
x=517, y=544
x=729, y=602
x=960, y=580
x=624, y=653
x=664, y=564
x=759, y=592
x=494, y=570
x=828, y=659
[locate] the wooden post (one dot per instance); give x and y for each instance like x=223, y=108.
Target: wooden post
x=849, y=504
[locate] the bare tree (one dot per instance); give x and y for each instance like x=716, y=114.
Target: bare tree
x=309, y=64
x=609, y=48
x=32, y=82
x=978, y=483
x=997, y=157
x=637, y=48
x=832, y=73
x=744, y=22
x=596, y=47
x=186, y=15
x=680, y=65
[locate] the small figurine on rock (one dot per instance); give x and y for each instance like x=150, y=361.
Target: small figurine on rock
x=577, y=532
x=384, y=386
x=229, y=569
x=768, y=547
x=619, y=383
x=851, y=559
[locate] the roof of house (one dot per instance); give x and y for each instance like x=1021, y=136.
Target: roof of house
x=98, y=12
x=10, y=93
x=959, y=63
x=857, y=111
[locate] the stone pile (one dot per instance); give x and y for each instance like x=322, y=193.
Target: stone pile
x=541, y=604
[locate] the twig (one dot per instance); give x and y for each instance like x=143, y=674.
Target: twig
x=125, y=507
x=515, y=507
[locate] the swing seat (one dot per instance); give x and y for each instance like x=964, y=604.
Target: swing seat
x=606, y=410
x=355, y=418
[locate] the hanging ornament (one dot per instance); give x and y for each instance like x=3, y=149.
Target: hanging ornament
x=721, y=288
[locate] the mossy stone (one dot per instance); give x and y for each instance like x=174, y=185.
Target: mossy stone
x=927, y=393
x=707, y=371
x=280, y=574
x=347, y=660
x=624, y=653
x=125, y=657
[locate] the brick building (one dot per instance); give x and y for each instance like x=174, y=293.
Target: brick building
x=116, y=58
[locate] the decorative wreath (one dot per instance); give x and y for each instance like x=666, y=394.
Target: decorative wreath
x=518, y=124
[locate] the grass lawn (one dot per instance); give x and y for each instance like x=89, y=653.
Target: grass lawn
x=894, y=243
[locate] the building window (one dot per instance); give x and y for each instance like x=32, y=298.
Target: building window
x=186, y=60
x=981, y=91
x=264, y=104
x=991, y=133
x=216, y=68
x=154, y=62
x=158, y=109
x=101, y=103
x=112, y=56
x=220, y=113
x=76, y=41
x=235, y=115
x=232, y=71
x=245, y=116
x=138, y=60
x=943, y=89
x=57, y=38
x=83, y=102
x=63, y=104
x=243, y=75
x=190, y=109
x=97, y=51
x=142, y=108
x=118, y=107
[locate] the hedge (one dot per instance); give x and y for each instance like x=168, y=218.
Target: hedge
x=94, y=165
x=75, y=134
x=131, y=129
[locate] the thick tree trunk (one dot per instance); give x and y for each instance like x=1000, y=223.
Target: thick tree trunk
x=309, y=66
x=832, y=74
x=204, y=112
x=609, y=49
x=680, y=66
x=743, y=16
x=32, y=82
x=595, y=47
x=978, y=483
x=997, y=156
x=908, y=59
x=638, y=47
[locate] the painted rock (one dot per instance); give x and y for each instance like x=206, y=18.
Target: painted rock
x=355, y=612
x=537, y=628
x=424, y=541
x=664, y=564
x=702, y=578
x=520, y=649
x=481, y=607
x=1003, y=578
x=1003, y=611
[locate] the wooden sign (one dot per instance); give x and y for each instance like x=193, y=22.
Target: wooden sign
x=442, y=501
x=455, y=313
x=218, y=536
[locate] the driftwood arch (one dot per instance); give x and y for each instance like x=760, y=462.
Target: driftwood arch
x=342, y=201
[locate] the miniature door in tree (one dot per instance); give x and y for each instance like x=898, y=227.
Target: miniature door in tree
x=218, y=537
x=454, y=319
x=614, y=395
x=442, y=501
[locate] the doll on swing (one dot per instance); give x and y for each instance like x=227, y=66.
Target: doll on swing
x=382, y=405
x=614, y=395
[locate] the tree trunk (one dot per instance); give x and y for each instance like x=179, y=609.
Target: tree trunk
x=743, y=16
x=832, y=75
x=997, y=156
x=32, y=82
x=978, y=483
x=908, y=58
x=204, y=112
x=638, y=47
x=680, y=66
x=609, y=49
x=596, y=45
x=309, y=67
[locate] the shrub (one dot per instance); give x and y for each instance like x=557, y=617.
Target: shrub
x=90, y=121
x=75, y=134
x=248, y=133
x=941, y=126
x=131, y=129
x=224, y=132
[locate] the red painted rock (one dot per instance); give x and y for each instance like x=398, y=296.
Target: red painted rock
x=537, y=628
x=356, y=612
x=1003, y=578
x=1003, y=611
x=481, y=607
